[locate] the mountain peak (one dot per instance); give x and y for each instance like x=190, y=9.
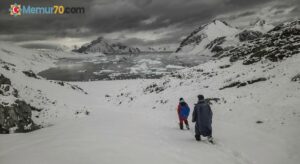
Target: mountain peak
x=258, y=22
x=100, y=38
x=103, y=46
x=205, y=34
x=216, y=21
x=261, y=25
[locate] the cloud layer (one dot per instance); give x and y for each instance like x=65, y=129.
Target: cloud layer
x=132, y=21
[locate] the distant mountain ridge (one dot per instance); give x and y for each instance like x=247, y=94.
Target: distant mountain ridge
x=218, y=36
x=103, y=46
x=157, y=49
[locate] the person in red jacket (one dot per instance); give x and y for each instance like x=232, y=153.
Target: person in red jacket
x=183, y=112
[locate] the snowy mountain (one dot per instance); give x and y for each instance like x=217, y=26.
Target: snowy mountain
x=254, y=31
x=216, y=36
x=206, y=36
x=27, y=101
x=260, y=25
x=104, y=46
x=280, y=42
x=253, y=89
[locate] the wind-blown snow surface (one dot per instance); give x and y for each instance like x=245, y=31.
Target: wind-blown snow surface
x=130, y=124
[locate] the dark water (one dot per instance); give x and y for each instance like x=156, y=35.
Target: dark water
x=117, y=67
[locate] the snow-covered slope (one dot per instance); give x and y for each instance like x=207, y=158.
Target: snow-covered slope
x=104, y=46
x=255, y=104
x=211, y=38
x=19, y=82
x=128, y=120
x=198, y=42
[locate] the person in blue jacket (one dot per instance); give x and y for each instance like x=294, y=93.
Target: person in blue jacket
x=183, y=112
x=202, y=116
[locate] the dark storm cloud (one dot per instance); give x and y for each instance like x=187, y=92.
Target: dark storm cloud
x=243, y=14
x=241, y=3
x=23, y=37
x=108, y=16
x=40, y=46
x=247, y=13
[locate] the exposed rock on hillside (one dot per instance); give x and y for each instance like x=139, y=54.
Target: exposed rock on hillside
x=209, y=35
x=30, y=73
x=249, y=35
x=16, y=115
x=296, y=78
x=281, y=42
x=239, y=84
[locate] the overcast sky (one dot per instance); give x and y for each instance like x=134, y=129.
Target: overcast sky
x=134, y=22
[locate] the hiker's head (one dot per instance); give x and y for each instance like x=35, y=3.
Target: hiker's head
x=200, y=97
x=181, y=100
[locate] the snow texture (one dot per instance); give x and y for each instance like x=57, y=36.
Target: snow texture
x=135, y=121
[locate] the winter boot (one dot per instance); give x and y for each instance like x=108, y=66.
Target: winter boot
x=210, y=139
x=198, y=137
x=187, y=124
x=181, y=126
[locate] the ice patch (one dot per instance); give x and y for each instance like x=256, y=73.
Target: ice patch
x=103, y=71
x=174, y=67
x=142, y=68
x=149, y=61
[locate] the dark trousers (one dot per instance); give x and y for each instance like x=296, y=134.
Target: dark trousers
x=181, y=121
x=185, y=121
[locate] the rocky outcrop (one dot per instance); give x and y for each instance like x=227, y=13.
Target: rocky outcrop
x=239, y=84
x=296, y=78
x=4, y=80
x=5, y=87
x=215, y=44
x=16, y=114
x=249, y=35
x=30, y=73
x=154, y=88
x=281, y=42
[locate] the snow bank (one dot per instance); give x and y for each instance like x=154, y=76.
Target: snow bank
x=135, y=121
